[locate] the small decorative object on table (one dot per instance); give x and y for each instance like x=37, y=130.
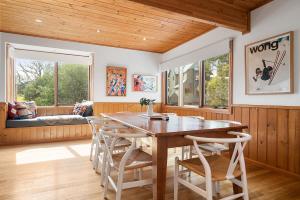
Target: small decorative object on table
x=149, y=104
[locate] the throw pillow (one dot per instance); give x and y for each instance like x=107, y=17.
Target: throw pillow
x=84, y=109
x=32, y=108
x=22, y=111
x=88, y=108
x=77, y=109
x=12, y=111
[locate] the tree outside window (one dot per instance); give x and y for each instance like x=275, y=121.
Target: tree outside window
x=216, y=81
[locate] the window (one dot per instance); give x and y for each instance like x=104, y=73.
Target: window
x=173, y=87
x=35, y=81
x=216, y=81
x=191, y=84
x=202, y=84
x=51, y=83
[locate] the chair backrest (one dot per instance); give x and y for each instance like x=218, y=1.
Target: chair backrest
x=102, y=122
x=111, y=137
x=92, y=125
x=239, y=140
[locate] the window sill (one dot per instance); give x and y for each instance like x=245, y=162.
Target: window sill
x=206, y=109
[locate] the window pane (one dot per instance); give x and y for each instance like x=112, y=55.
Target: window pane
x=173, y=87
x=191, y=84
x=73, y=83
x=216, y=81
x=35, y=81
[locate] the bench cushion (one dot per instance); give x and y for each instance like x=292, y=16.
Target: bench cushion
x=56, y=120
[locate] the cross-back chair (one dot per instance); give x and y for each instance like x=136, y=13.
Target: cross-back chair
x=134, y=158
x=96, y=123
x=215, y=168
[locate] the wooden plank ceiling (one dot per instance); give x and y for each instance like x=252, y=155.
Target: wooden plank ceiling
x=149, y=25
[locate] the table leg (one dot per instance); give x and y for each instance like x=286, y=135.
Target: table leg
x=159, y=169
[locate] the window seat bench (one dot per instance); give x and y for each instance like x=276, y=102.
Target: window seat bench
x=52, y=124
x=55, y=120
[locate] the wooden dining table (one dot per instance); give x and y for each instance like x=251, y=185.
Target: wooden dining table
x=170, y=134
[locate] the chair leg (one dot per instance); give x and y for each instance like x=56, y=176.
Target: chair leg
x=92, y=149
x=96, y=160
x=209, y=190
x=135, y=174
x=119, y=184
x=217, y=187
x=182, y=153
x=106, y=182
x=182, y=156
x=140, y=174
x=176, y=171
x=190, y=156
x=103, y=169
x=245, y=188
x=244, y=177
x=100, y=163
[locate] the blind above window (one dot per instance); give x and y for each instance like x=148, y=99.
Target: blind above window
x=66, y=58
x=213, y=50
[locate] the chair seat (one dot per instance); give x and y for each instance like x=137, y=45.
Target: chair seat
x=218, y=164
x=137, y=159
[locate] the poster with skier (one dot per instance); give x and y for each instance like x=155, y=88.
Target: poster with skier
x=269, y=65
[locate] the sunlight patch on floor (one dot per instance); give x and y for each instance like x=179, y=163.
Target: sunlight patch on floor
x=43, y=154
x=81, y=149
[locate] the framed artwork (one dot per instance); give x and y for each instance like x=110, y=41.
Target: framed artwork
x=116, y=81
x=270, y=65
x=144, y=83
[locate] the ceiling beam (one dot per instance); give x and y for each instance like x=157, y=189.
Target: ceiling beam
x=207, y=11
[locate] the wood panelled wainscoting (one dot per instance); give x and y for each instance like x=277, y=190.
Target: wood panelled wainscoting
x=27, y=135
x=275, y=131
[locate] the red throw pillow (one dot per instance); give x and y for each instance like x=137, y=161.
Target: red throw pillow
x=12, y=111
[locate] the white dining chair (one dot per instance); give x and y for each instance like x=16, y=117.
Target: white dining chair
x=215, y=168
x=96, y=123
x=120, y=146
x=134, y=158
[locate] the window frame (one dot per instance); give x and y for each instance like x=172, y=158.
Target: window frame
x=227, y=110
x=56, y=104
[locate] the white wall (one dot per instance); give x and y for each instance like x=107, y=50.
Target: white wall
x=2, y=71
x=274, y=18
x=135, y=61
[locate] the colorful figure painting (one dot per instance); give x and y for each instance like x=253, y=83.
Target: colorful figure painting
x=269, y=65
x=144, y=83
x=116, y=81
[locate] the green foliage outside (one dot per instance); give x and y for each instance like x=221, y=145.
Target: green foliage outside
x=217, y=81
x=35, y=82
x=72, y=83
